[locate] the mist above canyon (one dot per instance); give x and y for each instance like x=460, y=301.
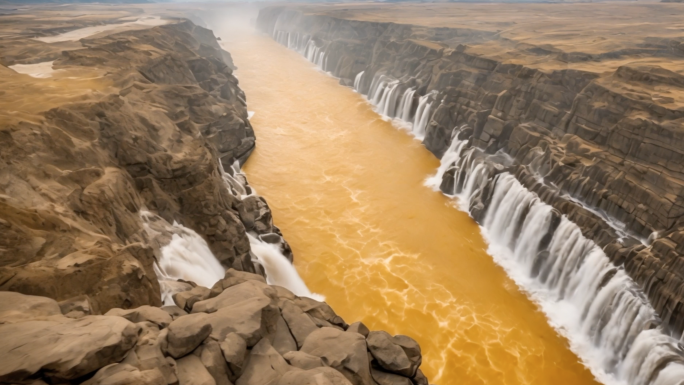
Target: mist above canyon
x=494, y=190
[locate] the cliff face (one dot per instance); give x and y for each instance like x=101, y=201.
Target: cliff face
x=603, y=148
x=76, y=177
x=99, y=176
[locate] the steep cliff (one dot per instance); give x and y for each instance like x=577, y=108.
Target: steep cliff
x=120, y=175
x=76, y=177
x=602, y=148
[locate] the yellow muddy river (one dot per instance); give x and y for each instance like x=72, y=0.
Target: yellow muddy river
x=346, y=188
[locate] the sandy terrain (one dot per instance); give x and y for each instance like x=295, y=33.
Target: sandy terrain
x=588, y=36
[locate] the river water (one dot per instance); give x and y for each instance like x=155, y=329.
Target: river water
x=347, y=190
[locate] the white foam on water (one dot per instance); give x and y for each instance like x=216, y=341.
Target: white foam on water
x=78, y=34
x=279, y=270
x=42, y=70
x=604, y=315
x=186, y=256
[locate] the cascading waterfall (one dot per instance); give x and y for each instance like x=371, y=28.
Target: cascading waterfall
x=404, y=112
x=185, y=254
x=383, y=92
x=357, y=81
x=422, y=116
x=279, y=271
x=596, y=305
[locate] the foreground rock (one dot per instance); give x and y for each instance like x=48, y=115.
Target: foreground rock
x=220, y=342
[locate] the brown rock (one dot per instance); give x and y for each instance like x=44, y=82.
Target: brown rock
x=192, y=372
x=317, y=376
x=264, y=366
x=65, y=347
x=186, y=333
x=343, y=351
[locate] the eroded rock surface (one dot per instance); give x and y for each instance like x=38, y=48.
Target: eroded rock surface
x=600, y=142
x=159, y=137
x=39, y=343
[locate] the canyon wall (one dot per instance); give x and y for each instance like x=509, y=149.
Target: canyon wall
x=76, y=177
x=107, y=200
x=602, y=148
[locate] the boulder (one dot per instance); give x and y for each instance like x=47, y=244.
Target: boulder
x=411, y=348
x=384, y=378
x=123, y=374
x=284, y=293
x=234, y=350
x=15, y=307
x=187, y=333
x=212, y=359
x=300, y=323
x=142, y=314
x=149, y=354
x=317, y=376
x=234, y=277
x=390, y=356
x=244, y=291
x=419, y=378
x=76, y=307
x=264, y=366
x=186, y=299
x=174, y=311
x=252, y=319
x=343, y=351
x=303, y=360
x=65, y=348
x=192, y=372
x=283, y=341
x=320, y=310
x=359, y=327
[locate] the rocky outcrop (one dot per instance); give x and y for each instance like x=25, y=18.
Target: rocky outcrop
x=91, y=192
x=76, y=178
x=231, y=337
x=604, y=149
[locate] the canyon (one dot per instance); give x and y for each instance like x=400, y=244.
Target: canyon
x=560, y=140
x=491, y=191
x=133, y=250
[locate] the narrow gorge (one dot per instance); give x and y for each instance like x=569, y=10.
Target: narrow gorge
x=551, y=162
x=341, y=193
x=133, y=249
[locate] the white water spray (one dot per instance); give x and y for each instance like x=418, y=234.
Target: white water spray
x=279, y=270
x=596, y=305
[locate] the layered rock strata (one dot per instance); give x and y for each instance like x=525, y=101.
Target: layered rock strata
x=94, y=190
x=76, y=178
x=604, y=149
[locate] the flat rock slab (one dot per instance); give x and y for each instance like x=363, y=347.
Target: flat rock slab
x=62, y=347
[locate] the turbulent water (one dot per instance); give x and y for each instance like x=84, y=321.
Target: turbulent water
x=606, y=317
x=347, y=190
x=185, y=254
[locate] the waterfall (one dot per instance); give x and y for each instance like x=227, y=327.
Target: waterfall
x=404, y=112
x=185, y=255
x=357, y=81
x=422, y=116
x=379, y=92
x=391, y=101
x=320, y=59
x=279, y=270
x=384, y=99
x=596, y=305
